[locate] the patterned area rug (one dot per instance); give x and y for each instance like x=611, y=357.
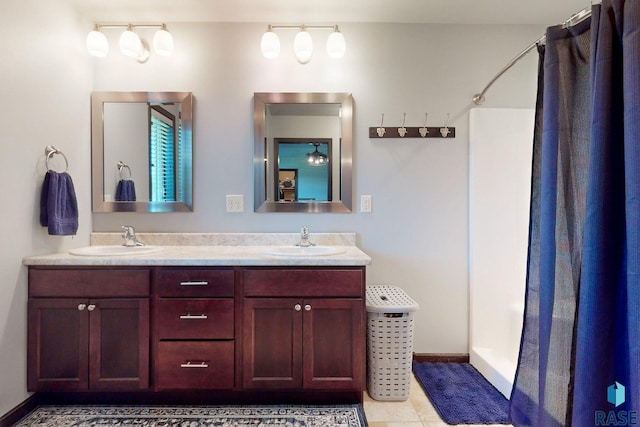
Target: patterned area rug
x=201, y=416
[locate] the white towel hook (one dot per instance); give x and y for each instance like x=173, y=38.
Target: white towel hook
x=402, y=131
x=381, y=129
x=444, y=131
x=423, y=130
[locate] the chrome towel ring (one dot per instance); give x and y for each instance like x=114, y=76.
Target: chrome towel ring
x=50, y=151
x=121, y=166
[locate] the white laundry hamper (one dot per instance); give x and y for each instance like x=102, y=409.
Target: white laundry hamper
x=389, y=342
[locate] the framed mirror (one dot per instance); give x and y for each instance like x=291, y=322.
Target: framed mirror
x=141, y=151
x=303, y=152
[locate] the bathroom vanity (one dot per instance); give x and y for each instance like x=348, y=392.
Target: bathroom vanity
x=226, y=318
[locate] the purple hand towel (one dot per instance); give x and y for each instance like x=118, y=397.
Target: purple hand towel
x=58, y=204
x=125, y=191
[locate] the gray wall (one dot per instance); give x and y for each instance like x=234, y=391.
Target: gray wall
x=417, y=233
x=46, y=82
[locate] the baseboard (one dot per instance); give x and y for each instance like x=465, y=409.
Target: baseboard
x=19, y=412
x=441, y=357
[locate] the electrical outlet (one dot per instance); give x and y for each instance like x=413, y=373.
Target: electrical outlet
x=365, y=203
x=235, y=203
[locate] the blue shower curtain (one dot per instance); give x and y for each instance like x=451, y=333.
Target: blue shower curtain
x=580, y=337
x=607, y=342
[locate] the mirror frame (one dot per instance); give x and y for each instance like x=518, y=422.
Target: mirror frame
x=260, y=101
x=97, y=149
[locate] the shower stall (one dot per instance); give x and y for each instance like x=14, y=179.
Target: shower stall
x=500, y=150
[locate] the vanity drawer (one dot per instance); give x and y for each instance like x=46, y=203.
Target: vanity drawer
x=195, y=282
x=195, y=365
x=195, y=318
x=88, y=283
x=311, y=282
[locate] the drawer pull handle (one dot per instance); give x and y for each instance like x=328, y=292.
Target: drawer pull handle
x=193, y=316
x=307, y=307
x=81, y=307
x=195, y=365
x=195, y=283
x=91, y=307
x=297, y=307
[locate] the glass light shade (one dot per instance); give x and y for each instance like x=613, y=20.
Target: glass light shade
x=163, y=42
x=270, y=44
x=336, y=46
x=97, y=44
x=130, y=43
x=303, y=46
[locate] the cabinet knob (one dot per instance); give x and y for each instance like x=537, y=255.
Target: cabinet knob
x=297, y=307
x=91, y=307
x=307, y=307
x=81, y=307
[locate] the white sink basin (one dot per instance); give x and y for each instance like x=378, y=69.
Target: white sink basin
x=114, y=250
x=310, y=251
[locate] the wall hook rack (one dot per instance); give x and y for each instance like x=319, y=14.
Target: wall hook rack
x=423, y=131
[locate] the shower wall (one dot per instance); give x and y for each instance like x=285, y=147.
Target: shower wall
x=500, y=150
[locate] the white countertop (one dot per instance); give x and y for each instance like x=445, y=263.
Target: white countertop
x=197, y=250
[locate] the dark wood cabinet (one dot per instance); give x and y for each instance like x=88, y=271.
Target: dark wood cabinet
x=306, y=342
x=82, y=339
x=230, y=330
x=195, y=328
x=272, y=342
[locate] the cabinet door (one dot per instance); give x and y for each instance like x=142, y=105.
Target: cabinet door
x=58, y=344
x=272, y=342
x=119, y=344
x=334, y=344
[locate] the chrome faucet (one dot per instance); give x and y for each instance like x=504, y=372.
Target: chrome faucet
x=304, y=238
x=129, y=236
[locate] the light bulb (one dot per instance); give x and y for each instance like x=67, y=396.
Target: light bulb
x=97, y=43
x=270, y=44
x=336, y=46
x=163, y=42
x=130, y=43
x=303, y=46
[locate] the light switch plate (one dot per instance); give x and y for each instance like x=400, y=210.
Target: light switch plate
x=365, y=203
x=235, y=203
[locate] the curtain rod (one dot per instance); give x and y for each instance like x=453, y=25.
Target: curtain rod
x=575, y=19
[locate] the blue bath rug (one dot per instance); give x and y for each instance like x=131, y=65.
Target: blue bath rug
x=461, y=395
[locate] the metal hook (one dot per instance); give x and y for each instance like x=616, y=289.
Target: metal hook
x=49, y=151
x=402, y=131
x=381, y=129
x=423, y=130
x=444, y=131
x=122, y=165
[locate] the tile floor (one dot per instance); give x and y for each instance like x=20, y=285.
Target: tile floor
x=417, y=411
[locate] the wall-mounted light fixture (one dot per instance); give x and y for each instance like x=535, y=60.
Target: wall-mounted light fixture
x=302, y=43
x=130, y=43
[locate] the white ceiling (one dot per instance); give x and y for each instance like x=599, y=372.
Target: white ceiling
x=541, y=12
